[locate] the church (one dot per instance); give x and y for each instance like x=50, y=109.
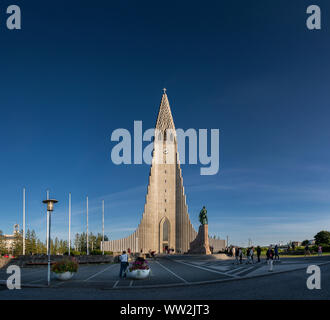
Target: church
x=165, y=222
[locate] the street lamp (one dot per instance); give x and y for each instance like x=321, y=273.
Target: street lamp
x=50, y=207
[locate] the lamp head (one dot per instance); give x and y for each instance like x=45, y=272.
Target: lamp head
x=50, y=204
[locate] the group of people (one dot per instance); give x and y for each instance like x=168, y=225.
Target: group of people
x=307, y=251
x=237, y=252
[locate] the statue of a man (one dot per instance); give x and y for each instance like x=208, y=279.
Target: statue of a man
x=203, y=216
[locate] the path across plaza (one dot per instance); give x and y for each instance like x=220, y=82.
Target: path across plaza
x=165, y=272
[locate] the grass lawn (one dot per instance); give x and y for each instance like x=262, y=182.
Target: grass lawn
x=302, y=255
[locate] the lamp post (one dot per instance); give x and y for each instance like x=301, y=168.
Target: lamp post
x=50, y=207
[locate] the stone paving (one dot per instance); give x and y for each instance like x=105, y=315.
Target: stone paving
x=165, y=271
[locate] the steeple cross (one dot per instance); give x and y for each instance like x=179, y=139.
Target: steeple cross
x=164, y=90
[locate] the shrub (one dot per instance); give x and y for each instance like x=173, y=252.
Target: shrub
x=65, y=265
x=75, y=253
x=96, y=252
x=325, y=248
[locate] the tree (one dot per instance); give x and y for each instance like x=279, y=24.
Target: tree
x=28, y=248
x=41, y=247
x=305, y=243
x=92, y=242
x=99, y=240
x=82, y=242
x=77, y=242
x=33, y=240
x=3, y=248
x=323, y=237
x=17, y=247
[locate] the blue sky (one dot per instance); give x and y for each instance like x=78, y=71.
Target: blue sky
x=80, y=69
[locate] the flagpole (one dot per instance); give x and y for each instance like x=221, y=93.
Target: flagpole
x=69, y=224
x=87, y=228
x=23, y=221
x=102, y=227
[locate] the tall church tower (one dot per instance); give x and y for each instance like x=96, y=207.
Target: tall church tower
x=165, y=222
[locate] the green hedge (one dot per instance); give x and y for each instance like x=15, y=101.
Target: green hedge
x=83, y=253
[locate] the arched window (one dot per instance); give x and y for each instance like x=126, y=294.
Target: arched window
x=166, y=230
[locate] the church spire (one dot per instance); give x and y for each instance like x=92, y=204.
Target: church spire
x=164, y=119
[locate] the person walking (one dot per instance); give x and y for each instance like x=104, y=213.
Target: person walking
x=251, y=255
x=237, y=255
x=258, y=253
x=307, y=252
x=270, y=256
x=276, y=252
x=123, y=264
x=319, y=250
x=240, y=253
x=248, y=257
x=233, y=252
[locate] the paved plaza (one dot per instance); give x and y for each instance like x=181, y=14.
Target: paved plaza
x=186, y=274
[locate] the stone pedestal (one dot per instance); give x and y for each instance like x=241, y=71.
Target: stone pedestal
x=201, y=244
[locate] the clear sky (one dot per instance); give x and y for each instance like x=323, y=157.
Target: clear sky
x=80, y=69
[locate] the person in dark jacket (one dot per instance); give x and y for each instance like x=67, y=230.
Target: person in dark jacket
x=247, y=255
x=240, y=253
x=270, y=254
x=276, y=253
x=258, y=253
x=237, y=255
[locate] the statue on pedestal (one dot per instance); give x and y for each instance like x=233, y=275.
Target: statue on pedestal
x=203, y=216
x=201, y=243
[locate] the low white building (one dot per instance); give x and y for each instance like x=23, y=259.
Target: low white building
x=9, y=239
